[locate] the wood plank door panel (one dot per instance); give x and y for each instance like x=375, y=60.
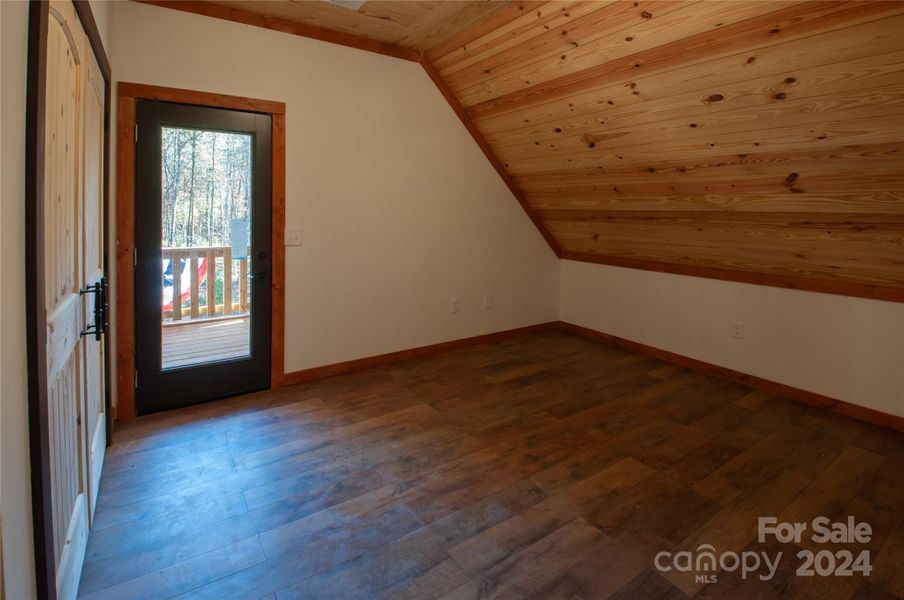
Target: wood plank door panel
x=62, y=301
x=92, y=165
x=73, y=264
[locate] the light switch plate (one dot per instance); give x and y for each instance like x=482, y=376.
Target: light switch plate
x=293, y=237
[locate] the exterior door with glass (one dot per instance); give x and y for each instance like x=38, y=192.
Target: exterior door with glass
x=203, y=239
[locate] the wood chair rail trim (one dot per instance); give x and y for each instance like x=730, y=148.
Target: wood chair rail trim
x=127, y=95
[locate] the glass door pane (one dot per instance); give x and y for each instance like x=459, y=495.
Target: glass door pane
x=206, y=186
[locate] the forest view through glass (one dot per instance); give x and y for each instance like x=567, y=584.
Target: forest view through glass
x=206, y=192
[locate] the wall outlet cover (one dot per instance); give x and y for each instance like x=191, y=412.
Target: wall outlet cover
x=293, y=237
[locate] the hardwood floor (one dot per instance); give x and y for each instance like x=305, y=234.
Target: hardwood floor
x=546, y=466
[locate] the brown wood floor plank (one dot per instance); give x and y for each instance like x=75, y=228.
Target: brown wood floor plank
x=493, y=546
x=409, y=563
x=547, y=466
x=531, y=567
x=189, y=574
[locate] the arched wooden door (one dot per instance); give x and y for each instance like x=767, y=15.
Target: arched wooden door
x=70, y=298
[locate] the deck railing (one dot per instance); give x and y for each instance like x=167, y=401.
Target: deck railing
x=202, y=301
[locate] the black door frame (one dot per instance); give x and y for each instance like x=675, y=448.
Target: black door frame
x=35, y=319
x=159, y=389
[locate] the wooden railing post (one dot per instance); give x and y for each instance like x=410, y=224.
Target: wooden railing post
x=211, y=283
x=177, y=285
x=195, y=285
x=227, y=281
x=243, y=285
x=229, y=306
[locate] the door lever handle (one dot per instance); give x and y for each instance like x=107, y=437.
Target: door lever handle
x=259, y=275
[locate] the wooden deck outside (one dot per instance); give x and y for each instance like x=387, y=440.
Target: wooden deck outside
x=195, y=342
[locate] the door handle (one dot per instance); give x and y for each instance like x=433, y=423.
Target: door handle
x=260, y=275
x=101, y=308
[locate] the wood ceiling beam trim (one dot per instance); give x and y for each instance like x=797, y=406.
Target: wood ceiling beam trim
x=286, y=26
x=491, y=155
x=870, y=202
x=871, y=257
x=874, y=292
x=746, y=36
x=881, y=158
x=840, y=223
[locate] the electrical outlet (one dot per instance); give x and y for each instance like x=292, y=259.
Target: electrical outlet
x=454, y=305
x=488, y=301
x=736, y=329
x=293, y=237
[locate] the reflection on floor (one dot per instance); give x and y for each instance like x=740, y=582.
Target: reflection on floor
x=194, y=342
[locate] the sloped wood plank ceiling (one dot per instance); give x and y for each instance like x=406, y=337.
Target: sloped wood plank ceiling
x=748, y=140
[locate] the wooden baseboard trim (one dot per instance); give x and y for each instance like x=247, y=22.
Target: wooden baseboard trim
x=834, y=405
x=369, y=362
x=841, y=407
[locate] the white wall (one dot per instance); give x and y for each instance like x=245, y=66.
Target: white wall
x=103, y=16
x=846, y=348
x=18, y=568
x=400, y=209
